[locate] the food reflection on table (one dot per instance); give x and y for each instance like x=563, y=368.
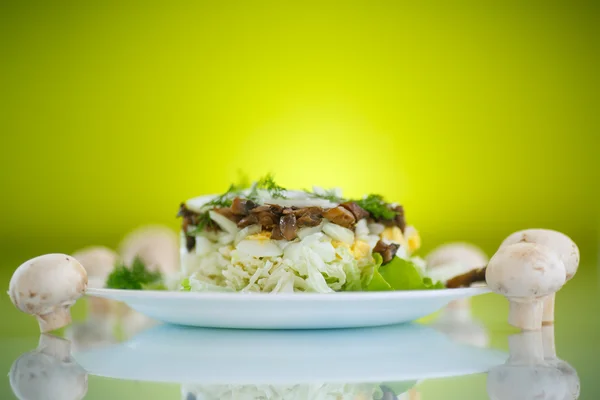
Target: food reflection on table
x=458, y=322
x=533, y=371
x=333, y=391
x=48, y=372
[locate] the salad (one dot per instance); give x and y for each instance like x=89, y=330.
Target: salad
x=266, y=238
x=315, y=391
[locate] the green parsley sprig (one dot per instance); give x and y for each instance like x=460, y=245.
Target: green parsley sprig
x=135, y=278
x=376, y=206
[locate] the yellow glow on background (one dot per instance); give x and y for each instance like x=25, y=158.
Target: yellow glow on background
x=481, y=119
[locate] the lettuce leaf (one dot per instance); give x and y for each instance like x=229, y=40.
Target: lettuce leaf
x=398, y=274
x=185, y=285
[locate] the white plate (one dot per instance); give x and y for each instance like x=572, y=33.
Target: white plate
x=286, y=311
x=398, y=353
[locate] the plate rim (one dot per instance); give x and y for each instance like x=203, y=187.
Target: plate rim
x=236, y=296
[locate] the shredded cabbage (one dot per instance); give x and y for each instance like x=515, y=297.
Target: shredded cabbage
x=317, y=262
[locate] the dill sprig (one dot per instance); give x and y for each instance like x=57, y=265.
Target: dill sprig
x=204, y=223
x=267, y=183
x=376, y=206
x=225, y=199
x=328, y=194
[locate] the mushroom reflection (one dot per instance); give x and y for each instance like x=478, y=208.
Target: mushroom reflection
x=533, y=371
x=457, y=321
x=48, y=373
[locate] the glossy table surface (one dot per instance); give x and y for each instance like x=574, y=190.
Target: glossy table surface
x=458, y=354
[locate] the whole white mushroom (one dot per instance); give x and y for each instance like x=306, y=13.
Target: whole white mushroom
x=99, y=262
x=525, y=273
x=565, y=248
x=157, y=246
x=48, y=373
x=47, y=286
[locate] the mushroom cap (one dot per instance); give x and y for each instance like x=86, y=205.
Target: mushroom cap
x=157, y=246
x=560, y=243
x=525, y=270
x=98, y=261
x=45, y=376
x=41, y=284
x=453, y=259
x=465, y=254
x=569, y=375
x=526, y=382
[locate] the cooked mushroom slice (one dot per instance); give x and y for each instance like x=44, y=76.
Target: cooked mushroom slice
x=356, y=210
x=242, y=206
x=251, y=219
x=340, y=216
x=387, y=251
x=267, y=219
x=466, y=280
x=47, y=287
x=287, y=225
x=400, y=218
x=229, y=214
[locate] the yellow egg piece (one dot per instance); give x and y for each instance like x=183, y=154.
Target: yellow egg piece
x=264, y=235
x=393, y=234
x=360, y=249
x=339, y=243
x=414, y=241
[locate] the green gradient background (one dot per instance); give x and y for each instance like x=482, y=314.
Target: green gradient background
x=481, y=117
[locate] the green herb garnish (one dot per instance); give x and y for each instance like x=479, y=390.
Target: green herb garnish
x=134, y=278
x=267, y=183
x=226, y=199
x=377, y=207
x=328, y=194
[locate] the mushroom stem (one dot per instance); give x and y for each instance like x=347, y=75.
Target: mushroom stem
x=548, y=317
x=526, y=348
x=548, y=341
x=54, y=346
x=55, y=319
x=527, y=316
